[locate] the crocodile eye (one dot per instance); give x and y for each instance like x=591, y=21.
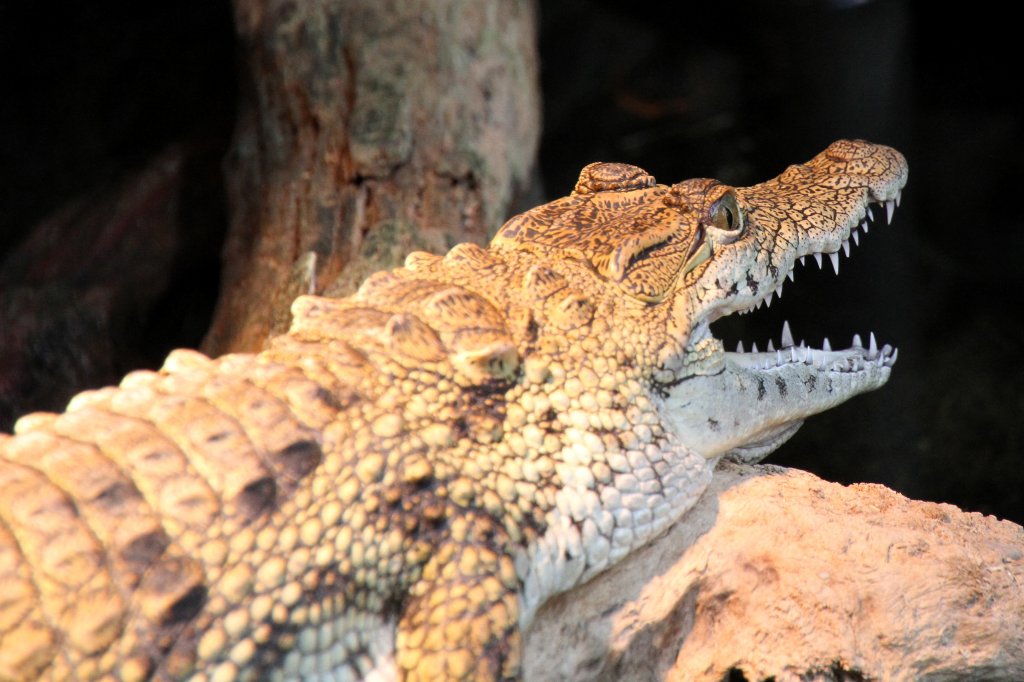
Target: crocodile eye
x=726, y=214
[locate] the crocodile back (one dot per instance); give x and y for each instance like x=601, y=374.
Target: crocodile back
x=153, y=522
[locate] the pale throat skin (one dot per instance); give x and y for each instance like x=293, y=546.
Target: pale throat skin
x=393, y=488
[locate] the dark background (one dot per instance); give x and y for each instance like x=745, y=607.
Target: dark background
x=731, y=89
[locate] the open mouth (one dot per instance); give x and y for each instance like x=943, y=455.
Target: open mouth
x=859, y=355
x=854, y=358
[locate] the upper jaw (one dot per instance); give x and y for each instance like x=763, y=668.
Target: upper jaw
x=819, y=209
x=819, y=245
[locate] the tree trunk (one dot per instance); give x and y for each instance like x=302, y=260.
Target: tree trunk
x=368, y=129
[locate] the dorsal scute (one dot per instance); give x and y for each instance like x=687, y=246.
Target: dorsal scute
x=473, y=256
x=541, y=282
x=612, y=177
x=416, y=317
x=474, y=332
x=411, y=337
x=421, y=261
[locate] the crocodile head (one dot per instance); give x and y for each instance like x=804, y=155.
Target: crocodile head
x=699, y=250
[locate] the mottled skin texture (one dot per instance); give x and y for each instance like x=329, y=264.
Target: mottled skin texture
x=396, y=485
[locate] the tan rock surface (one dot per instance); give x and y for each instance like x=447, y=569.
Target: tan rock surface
x=776, y=573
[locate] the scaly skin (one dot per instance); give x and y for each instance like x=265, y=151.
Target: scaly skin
x=396, y=485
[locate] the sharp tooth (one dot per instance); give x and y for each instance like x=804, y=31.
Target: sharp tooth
x=768, y=299
x=846, y=247
x=771, y=346
x=892, y=358
x=871, y=215
x=864, y=226
x=834, y=257
x=817, y=258
x=792, y=354
x=802, y=259
x=778, y=291
x=826, y=346
x=778, y=359
x=790, y=276
x=899, y=195
x=753, y=347
x=856, y=238
x=857, y=343
x=739, y=347
x=890, y=206
x=872, y=346
x=787, y=335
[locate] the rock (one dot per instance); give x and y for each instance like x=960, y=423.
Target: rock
x=779, y=574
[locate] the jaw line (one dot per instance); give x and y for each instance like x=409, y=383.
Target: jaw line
x=757, y=450
x=829, y=247
x=735, y=407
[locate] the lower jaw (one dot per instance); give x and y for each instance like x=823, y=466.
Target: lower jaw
x=753, y=452
x=744, y=413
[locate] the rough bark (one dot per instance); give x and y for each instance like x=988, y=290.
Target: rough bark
x=369, y=129
x=778, y=574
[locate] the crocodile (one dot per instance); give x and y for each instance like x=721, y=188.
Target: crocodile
x=393, y=487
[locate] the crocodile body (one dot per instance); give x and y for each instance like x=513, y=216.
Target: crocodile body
x=394, y=487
